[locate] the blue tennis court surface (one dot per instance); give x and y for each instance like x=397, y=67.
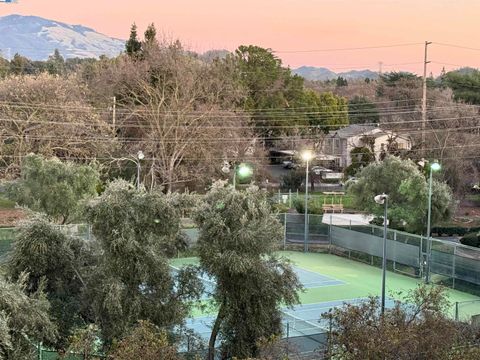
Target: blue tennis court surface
x=302, y=319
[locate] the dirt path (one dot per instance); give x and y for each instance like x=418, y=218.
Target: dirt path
x=10, y=217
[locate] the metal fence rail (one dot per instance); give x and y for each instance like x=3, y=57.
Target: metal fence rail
x=450, y=262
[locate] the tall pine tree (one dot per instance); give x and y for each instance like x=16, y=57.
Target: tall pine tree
x=133, y=46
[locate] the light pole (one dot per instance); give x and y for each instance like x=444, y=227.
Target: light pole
x=140, y=156
x=306, y=156
x=383, y=200
x=435, y=166
x=244, y=171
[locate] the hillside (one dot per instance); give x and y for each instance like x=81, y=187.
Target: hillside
x=37, y=38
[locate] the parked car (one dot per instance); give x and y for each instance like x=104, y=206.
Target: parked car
x=288, y=164
x=349, y=181
x=318, y=170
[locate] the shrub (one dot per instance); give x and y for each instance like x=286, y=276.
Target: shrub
x=280, y=208
x=293, y=180
x=453, y=230
x=314, y=207
x=471, y=239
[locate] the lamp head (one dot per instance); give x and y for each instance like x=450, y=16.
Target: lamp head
x=140, y=155
x=380, y=199
x=307, y=155
x=435, y=166
x=244, y=171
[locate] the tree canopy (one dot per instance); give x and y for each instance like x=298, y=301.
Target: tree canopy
x=53, y=187
x=361, y=111
x=238, y=237
x=278, y=100
x=57, y=264
x=24, y=320
x=407, y=189
x=465, y=85
x=415, y=328
x=135, y=233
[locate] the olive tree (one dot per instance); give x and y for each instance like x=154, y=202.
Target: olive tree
x=136, y=232
x=54, y=187
x=407, y=189
x=238, y=237
x=24, y=320
x=56, y=263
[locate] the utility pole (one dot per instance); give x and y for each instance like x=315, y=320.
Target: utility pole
x=380, y=65
x=424, y=97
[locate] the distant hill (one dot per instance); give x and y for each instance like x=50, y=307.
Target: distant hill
x=37, y=38
x=323, y=74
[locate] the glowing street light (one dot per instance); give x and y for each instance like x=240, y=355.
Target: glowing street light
x=383, y=200
x=140, y=156
x=435, y=166
x=243, y=170
x=307, y=156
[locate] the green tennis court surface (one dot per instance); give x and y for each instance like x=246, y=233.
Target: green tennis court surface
x=352, y=280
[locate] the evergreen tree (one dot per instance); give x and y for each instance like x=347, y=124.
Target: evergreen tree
x=56, y=63
x=151, y=35
x=361, y=111
x=341, y=81
x=133, y=46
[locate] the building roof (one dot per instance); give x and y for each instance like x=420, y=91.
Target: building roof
x=353, y=130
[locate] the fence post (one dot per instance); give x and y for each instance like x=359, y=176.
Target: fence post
x=285, y=231
x=330, y=235
x=421, y=257
x=329, y=341
x=394, y=239
x=453, y=265
x=279, y=196
x=350, y=228
x=288, y=337
x=456, y=311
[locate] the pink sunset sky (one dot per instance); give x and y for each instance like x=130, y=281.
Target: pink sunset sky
x=292, y=25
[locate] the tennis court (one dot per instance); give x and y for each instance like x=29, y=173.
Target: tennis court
x=330, y=281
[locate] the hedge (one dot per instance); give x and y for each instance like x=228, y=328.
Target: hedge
x=454, y=230
x=471, y=239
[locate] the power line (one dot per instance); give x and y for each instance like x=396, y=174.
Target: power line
x=409, y=151
x=236, y=138
x=457, y=46
x=246, y=126
x=347, y=49
x=252, y=110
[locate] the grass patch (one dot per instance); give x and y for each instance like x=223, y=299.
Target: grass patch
x=475, y=198
x=6, y=204
x=320, y=199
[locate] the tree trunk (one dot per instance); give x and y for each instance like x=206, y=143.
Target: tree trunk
x=215, y=329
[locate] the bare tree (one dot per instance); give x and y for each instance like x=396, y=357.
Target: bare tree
x=178, y=111
x=49, y=116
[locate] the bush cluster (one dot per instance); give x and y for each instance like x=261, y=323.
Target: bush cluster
x=471, y=239
x=453, y=230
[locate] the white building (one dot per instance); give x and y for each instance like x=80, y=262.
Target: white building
x=341, y=142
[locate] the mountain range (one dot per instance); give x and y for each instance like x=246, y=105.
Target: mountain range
x=37, y=38
x=321, y=73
